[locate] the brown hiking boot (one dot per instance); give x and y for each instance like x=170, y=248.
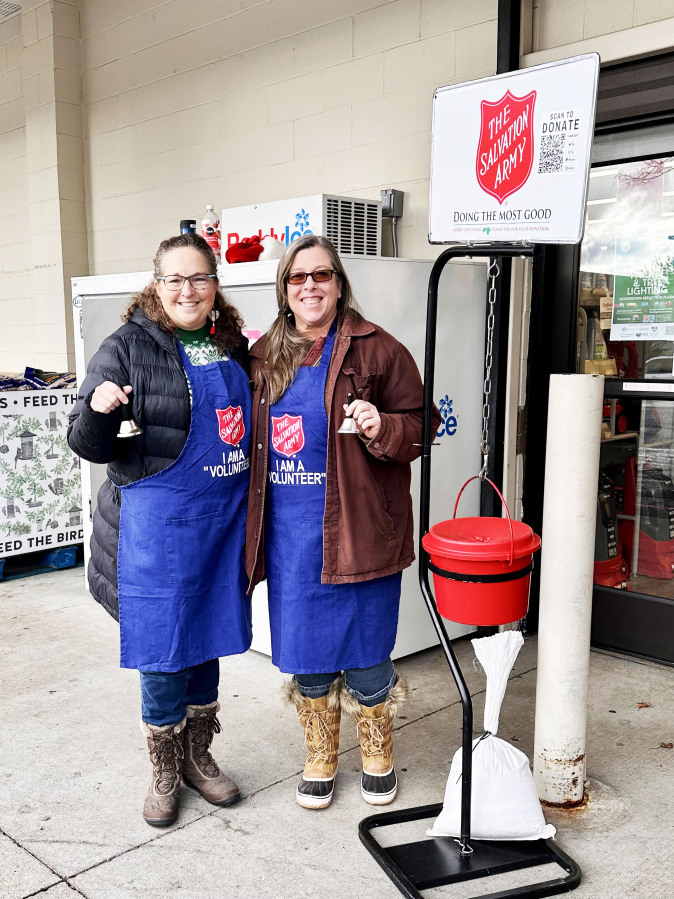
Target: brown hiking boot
x=320, y=720
x=166, y=754
x=200, y=770
x=379, y=783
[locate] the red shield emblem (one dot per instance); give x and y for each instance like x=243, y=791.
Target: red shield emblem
x=287, y=434
x=505, y=152
x=230, y=425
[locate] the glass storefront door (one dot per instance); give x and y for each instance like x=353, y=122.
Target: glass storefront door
x=625, y=331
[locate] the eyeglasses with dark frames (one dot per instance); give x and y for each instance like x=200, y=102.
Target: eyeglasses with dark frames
x=176, y=282
x=321, y=274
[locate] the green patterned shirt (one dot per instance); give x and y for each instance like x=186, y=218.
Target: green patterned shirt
x=199, y=347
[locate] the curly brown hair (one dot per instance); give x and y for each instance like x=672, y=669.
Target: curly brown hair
x=228, y=325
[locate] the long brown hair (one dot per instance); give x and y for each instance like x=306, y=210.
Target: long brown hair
x=228, y=324
x=285, y=346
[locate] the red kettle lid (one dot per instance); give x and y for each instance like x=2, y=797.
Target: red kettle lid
x=484, y=538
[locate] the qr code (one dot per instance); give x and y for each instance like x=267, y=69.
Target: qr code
x=551, y=159
x=669, y=330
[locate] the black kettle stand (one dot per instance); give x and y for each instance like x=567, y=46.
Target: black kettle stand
x=434, y=862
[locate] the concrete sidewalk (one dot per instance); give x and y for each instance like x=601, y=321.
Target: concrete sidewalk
x=74, y=771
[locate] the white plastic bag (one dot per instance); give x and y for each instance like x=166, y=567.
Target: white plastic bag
x=504, y=802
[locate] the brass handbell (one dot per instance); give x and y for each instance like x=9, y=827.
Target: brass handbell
x=128, y=427
x=349, y=426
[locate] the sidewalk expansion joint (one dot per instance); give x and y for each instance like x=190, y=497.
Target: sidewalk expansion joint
x=60, y=879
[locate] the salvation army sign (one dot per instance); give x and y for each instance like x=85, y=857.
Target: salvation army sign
x=510, y=155
x=505, y=149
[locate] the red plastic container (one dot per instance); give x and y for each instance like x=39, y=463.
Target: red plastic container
x=482, y=567
x=656, y=557
x=612, y=572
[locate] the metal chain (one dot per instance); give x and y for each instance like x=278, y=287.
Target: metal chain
x=493, y=274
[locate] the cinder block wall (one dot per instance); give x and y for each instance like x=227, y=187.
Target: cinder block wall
x=281, y=99
x=42, y=201
x=15, y=244
x=189, y=102
x=559, y=22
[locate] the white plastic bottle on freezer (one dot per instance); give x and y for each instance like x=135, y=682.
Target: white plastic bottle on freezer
x=210, y=230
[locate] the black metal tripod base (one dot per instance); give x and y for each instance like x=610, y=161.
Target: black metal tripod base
x=436, y=862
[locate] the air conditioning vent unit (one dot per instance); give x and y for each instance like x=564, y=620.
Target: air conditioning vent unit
x=7, y=10
x=352, y=224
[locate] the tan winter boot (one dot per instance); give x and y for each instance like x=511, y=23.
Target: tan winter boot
x=166, y=754
x=200, y=770
x=320, y=720
x=378, y=785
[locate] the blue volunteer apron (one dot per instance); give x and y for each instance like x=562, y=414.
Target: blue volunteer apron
x=315, y=628
x=181, y=573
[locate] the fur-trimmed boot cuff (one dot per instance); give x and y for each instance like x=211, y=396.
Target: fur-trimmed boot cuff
x=150, y=730
x=396, y=697
x=195, y=711
x=291, y=693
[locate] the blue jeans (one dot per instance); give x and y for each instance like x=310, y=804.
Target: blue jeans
x=165, y=695
x=370, y=686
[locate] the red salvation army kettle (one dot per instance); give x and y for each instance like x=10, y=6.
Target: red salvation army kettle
x=481, y=566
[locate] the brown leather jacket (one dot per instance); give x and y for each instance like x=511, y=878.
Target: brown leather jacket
x=368, y=531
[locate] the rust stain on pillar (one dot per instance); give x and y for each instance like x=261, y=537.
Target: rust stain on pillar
x=567, y=773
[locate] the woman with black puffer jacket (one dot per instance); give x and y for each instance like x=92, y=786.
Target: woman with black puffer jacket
x=168, y=533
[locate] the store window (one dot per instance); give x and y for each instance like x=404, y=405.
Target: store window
x=626, y=303
x=625, y=331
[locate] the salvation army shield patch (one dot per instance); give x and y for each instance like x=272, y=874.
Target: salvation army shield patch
x=231, y=427
x=505, y=151
x=287, y=434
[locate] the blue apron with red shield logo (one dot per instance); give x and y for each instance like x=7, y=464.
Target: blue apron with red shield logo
x=315, y=628
x=181, y=572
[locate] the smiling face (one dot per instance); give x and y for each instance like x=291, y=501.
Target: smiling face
x=187, y=308
x=313, y=305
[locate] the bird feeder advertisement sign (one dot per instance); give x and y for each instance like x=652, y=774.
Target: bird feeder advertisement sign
x=41, y=500
x=511, y=155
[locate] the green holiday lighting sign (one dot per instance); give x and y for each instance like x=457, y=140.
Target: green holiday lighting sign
x=643, y=308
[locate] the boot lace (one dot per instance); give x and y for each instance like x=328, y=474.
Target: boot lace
x=201, y=732
x=166, y=754
x=317, y=736
x=370, y=736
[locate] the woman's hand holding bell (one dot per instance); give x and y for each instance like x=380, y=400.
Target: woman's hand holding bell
x=108, y=396
x=366, y=417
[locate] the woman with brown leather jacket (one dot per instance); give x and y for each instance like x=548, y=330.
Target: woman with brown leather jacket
x=330, y=515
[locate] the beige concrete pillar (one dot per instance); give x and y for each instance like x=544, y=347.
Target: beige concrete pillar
x=51, y=74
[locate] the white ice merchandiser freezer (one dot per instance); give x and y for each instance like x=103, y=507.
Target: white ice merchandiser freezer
x=391, y=292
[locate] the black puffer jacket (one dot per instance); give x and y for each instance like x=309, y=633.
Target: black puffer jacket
x=145, y=356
